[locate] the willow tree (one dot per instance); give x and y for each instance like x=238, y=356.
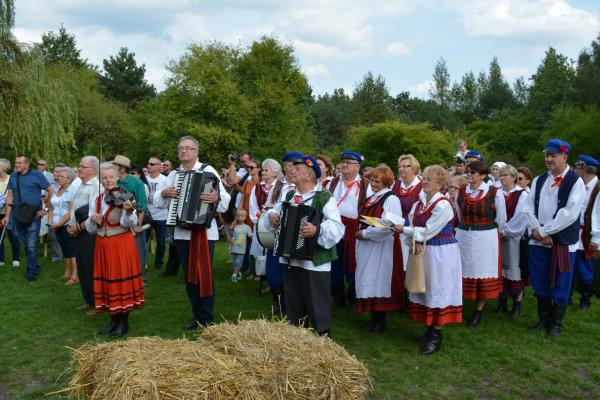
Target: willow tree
x=37, y=114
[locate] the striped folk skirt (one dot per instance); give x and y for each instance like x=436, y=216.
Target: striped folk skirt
x=481, y=263
x=118, y=285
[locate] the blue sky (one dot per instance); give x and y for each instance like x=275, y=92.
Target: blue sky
x=336, y=41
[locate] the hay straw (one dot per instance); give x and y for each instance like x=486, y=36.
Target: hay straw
x=251, y=360
x=291, y=362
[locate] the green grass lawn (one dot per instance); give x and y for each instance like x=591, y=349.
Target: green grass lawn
x=499, y=359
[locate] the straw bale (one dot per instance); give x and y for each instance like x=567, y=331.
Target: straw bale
x=250, y=360
x=291, y=362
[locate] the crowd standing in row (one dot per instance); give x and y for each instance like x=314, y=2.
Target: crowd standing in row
x=484, y=234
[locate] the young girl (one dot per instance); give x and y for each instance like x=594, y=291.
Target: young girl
x=241, y=233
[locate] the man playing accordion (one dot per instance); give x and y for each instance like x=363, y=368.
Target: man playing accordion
x=307, y=283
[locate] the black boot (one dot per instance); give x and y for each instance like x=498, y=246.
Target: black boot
x=339, y=301
x=558, y=313
x=433, y=342
x=379, y=324
x=516, y=309
x=502, y=305
x=544, y=306
x=351, y=298
x=111, y=326
x=475, y=318
x=426, y=335
x=371, y=322
x=123, y=326
x=586, y=297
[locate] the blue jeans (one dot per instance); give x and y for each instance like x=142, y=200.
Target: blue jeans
x=29, y=236
x=160, y=227
x=14, y=244
x=539, y=273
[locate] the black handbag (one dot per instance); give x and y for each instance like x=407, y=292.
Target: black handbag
x=27, y=212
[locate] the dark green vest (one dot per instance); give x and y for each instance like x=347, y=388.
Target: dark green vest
x=322, y=255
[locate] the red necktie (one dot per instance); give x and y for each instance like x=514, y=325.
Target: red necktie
x=557, y=181
x=296, y=199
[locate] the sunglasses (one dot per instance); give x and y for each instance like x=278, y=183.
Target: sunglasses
x=471, y=172
x=521, y=178
x=152, y=164
x=252, y=168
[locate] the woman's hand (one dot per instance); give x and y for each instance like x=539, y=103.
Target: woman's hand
x=418, y=248
x=397, y=228
x=97, y=218
x=359, y=235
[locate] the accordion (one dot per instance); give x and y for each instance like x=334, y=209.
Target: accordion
x=288, y=242
x=187, y=210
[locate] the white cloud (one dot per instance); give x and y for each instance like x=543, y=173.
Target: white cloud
x=316, y=70
x=534, y=20
x=396, y=49
x=188, y=27
x=421, y=90
x=511, y=73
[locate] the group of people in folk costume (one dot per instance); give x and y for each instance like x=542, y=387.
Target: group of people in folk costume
x=471, y=242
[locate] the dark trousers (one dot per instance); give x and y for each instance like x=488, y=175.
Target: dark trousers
x=202, y=307
x=306, y=296
x=172, y=267
x=14, y=244
x=274, y=270
x=160, y=228
x=539, y=272
x=84, y=254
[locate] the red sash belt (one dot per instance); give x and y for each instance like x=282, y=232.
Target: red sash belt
x=560, y=259
x=350, y=243
x=200, y=271
x=586, y=239
x=397, y=269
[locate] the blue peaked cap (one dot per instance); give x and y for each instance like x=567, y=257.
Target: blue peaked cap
x=352, y=155
x=588, y=161
x=293, y=156
x=557, y=146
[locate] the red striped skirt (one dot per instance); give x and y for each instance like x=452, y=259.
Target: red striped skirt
x=482, y=289
x=369, y=304
x=435, y=316
x=118, y=285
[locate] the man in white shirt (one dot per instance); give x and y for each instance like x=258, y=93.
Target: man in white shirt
x=83, y=199
x=156, y=181
x=589, y=237
x=307, y=283
x=196, y=246
x=553, y=209
x=349, y=190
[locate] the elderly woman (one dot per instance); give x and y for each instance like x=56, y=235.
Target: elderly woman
x=495, y=173
x=432, y=223
x=14, y=242
x=118, y=286
x=524, y=178
x=455, y=184
x=514, y=228
x=379, y=276
x=58, y=218
x=327, y=169
x=407, y=188
x=271, y=171
x=482, y=214
x=254, y=168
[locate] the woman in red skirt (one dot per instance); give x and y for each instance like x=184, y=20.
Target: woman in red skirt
x=118, y=286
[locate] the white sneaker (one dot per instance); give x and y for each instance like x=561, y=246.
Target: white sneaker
x=1, y=263
x=16, y=263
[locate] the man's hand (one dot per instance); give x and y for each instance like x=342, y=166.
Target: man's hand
x=274, y=220
x=308, y=230
x=593, y=246
x=547, y=241
x=397, y=228
x=72, y=229
x=5, y=221
x=210, y=197
x=536, y=235
x=97, y=218
x=41, y=213
x=169, y=192
x=358, y=235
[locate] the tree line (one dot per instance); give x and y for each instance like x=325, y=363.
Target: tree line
x=56, y=105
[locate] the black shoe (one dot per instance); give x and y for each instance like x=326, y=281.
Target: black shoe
x=122, y=327
x=114, y=321
x=516, y=309
x=192, y=325
x=31, y=279
x=544, y=306
x=475, y=319
x=502, y=305
x=433, y=342
x=586, y=297
x=554, y=328
x=371, y=322
x=426, y=335
x=379, y=324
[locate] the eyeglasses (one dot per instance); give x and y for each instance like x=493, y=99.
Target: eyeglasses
x=403, y=166
x=186, y=148
x=454, y=187
x=521, y=178
x=252, y=168
x=41, y=164
x=426, y=179
x=471, y=172
x=152, y=164
x=349, y=162
x=504, y=175
x=83, y=166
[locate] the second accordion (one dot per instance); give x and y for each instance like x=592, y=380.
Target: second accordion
x=187, y=210
x=288, y=242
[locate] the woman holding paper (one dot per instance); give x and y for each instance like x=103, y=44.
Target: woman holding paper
x=431, y=222
x=379, y=276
